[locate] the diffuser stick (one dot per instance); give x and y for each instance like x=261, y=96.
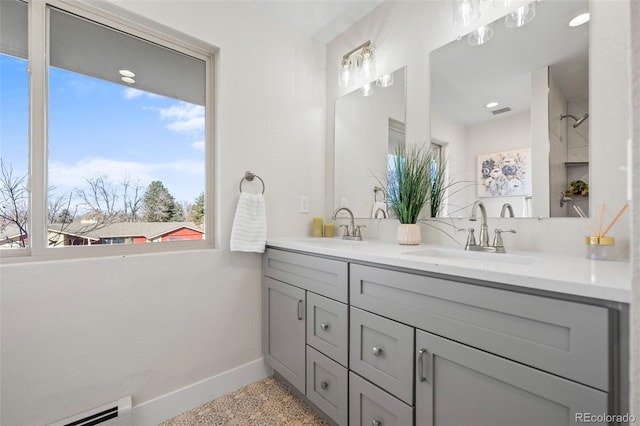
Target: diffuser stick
x=615, y=219
x=600, y=218
x=586, y=219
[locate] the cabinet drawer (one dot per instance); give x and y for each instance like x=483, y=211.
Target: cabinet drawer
x=327, y=327
x=322, y=276
x=369, y=405
x=327, y=386
x=566, y=338
x=381, y=350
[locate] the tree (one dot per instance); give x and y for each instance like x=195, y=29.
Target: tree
x=132, y=200
x=159, y=205
x=14, y=208
x=100, y=198
x=197, y=209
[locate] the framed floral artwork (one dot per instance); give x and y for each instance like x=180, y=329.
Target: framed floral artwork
x=505, y=174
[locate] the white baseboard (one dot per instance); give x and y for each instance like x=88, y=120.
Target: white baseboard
x=170, y=405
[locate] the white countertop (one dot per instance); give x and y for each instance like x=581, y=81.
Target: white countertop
x=605, y=280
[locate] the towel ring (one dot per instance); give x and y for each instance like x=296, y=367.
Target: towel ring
x=249, y=177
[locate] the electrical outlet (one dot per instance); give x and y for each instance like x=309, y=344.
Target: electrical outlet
x=304, y=204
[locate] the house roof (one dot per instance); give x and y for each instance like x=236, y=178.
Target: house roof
x=10, y=231
x=149, y=230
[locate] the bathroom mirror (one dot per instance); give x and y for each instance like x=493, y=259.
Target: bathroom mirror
x=533, y=143
x=367, y=129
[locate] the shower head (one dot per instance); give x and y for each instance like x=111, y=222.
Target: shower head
x=578, y=120
x=581, y=119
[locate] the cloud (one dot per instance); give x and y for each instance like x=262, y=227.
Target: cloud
x=184, y=118
x=198, y=146
x=132, y=93
x=75, y=175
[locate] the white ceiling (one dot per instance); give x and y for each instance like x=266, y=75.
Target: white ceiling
x=323, y=20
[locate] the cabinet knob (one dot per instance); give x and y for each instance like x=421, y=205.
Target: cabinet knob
x=324, y=385
x=376, y=422
x=376, y=351
x=324, y=326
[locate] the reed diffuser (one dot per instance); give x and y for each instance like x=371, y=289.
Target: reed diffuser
x=600, y=246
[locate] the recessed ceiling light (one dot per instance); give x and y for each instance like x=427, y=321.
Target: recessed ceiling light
x=128, y=80
x=579, y=20
x=127, y=73
x=492, y=104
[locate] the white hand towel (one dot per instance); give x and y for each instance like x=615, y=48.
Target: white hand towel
x=375, y=213
x=249, y=231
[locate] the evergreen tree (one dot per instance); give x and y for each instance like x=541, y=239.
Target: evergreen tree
x=160, y=205
x=197, y=210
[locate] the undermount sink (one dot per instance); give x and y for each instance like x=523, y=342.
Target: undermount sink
x=514, y=259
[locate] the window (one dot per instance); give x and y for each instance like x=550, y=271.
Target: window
x=126, y=149
x=14, y=125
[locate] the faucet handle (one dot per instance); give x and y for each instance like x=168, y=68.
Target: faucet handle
x=357, y=233
x=346, y=230
x=471, y=238
x=497, y=240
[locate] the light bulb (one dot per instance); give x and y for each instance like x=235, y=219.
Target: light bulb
x=344, y=77
x=367, y=89
x=385, y=81
x=480, y=35
x=521, y=16
x=465, y=12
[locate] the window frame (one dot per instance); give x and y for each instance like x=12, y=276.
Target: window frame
x=38, y=68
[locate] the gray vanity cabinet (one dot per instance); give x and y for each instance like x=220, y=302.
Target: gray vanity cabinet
x=458, y=385
x=400, y=347
x=284, y=330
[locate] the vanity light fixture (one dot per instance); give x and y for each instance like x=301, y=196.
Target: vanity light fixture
x=128, y=80
x=385, y=80
x=480, y=35
x=521, y=16
x=583, y=18
x=492, y=105
x=465, y=12
x=365, y=65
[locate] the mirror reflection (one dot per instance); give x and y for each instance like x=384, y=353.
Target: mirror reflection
x=369, y=126
x=511, y=114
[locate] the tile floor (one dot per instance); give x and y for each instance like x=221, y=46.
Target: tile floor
x=267, y=402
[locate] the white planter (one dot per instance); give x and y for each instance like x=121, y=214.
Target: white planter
x=409, y=234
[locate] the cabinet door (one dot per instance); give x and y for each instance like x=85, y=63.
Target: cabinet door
x=283, y=311
x=458, y=385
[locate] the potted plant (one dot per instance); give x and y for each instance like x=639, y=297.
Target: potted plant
x=408, y=188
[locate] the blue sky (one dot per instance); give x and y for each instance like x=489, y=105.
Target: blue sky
x=101, y=128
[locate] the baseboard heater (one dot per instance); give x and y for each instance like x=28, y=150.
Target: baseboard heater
x=106, y=412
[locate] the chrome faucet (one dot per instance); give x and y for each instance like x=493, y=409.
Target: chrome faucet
x=507, y=208
x=498, y=244
x=351, y=231
x=484, y=229
x=380, y=210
